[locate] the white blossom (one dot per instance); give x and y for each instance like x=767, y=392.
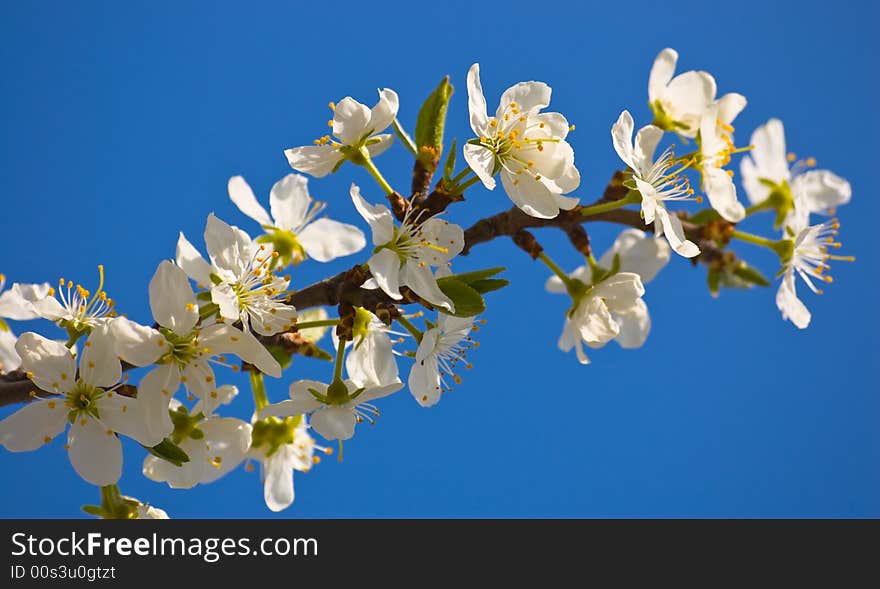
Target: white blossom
x=678, y=102
x=526, y=146
x=442, y=348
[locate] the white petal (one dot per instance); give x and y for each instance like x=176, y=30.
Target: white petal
x=225, y=297
x=317, y=160
x=371, y=361
x=192, y=263
x=767, y=160
x=33, y=425
x=350, y=120
x=476, y=102
x=555, y=285
x=688, y=95
x=49, y=308
x=241, y=194
x=289, y=200
x=325, y=240
x=222, y=339
x=729, y=106
x=640, y=253
x=594, y=322
x=334, y=423
x=722, y=194
x=278, y=484
x=422, y=281
x=447, y=237
x=620, y=291
x=373, y=393
x=154, y=394
x=635, y=324
x=789, y=304
x=530, y=195
x=94, y=451
x=528, y=96
x=379, y=143
x=379, y=217
x=229, y=248
x=172, y=299
x=674, y=233
x=137, y=344
x=9, y=359
x=52, y=364
x=385, y=110
x=17, y=303
x=424, y=381
x=312, y=334
x=482, y=162
x=621, y=138
x=645, y=145
x=385, y=268
x=661, y=73
x=820, y=190
x=99, y=362
x=228, y=441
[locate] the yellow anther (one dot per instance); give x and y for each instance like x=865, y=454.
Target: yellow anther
x=47, y=439
x=571, y=128
x=330, y=123
x=811, y=161
x=332, y=105
x=190, y=307
x=790, y=157
x=51, y=292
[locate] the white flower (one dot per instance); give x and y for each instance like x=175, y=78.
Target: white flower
x=678, y=103
x=404, y=255
x=88, y=401
x=333, y=419
x=356, y=127
x=16, y=303
x=611, y=309
x=716, y=146
x=215, y=445
x=441, y=349
x=293, y=229
x=636, y=252
x=809, y=259
x=527, y=146
x=78, y=310
x=281, y=447
x=181, y=349
x=312, y=334
x=656, y=181
x=370, y=361
x=243, y=283
x=766, y=175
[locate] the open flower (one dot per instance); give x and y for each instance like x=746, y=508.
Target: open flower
x=440, y=351
x=716, y=147
x=87, y=400
x=334, y=412
x=404, y=255
x=636, y=252
x=809, y=259
x=678, y=102
x=282, y=446
x=612, y=308
x=526, y=146
x=657, y=181
x=17, y=303
x=76, y=309
x=243, y=283
x=182, y=349
x=769, y=181
x=293, y=229
x=215, y=445
x=355, y=126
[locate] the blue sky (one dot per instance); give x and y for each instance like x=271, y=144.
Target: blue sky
x=122, y=125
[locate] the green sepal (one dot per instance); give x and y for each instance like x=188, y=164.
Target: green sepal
x=169, y=451
x=468, y=302
x=750, y=275
x=93, y=510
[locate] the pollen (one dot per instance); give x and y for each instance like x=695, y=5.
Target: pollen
x=47, y=439
x=790, y=156
x=50, y=404
x=190, y=307
x=213, y=394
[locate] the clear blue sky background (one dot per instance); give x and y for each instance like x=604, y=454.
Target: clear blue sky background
x=121, y=125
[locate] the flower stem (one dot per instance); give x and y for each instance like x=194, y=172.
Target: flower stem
x=259, y=389
x=631, y=198
x=755, y=239
x=340, y=354
x=412, y=329
x=556, y=269
x=317, y=323
x=377, y=175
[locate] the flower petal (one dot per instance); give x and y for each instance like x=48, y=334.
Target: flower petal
x=229, y=248
x=225, y=297
x=385, y=110
x=424, y=381
x=325, y=239
x=661, y=73
x=172, y=299
x=820, y=190
x=529, y=97
x=289, y=200
x=192, y=263
x=385, y=267
x=621, y=138
x=52, y=365
x=241, y=194
x=789, y=304
x=476, y=102
x=278, y=481
x=721, y=192
x=99, y=362
x=639, y=253
x=222, y=339
x=530, y=195
x=334, y=423
x=447, y=239
x=33, y=425
x=94, y=451
x=635, y=324
x=317, y=160
x=350, y=120
x=674, y=233
x=482, y=162
x=379, y=217
x=17, y=303
x=155, y=392
x=422, y=281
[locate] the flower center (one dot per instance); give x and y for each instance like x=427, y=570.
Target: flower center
x=184, y=348
x=82, y=400
x=83, y=307
x=811, y=256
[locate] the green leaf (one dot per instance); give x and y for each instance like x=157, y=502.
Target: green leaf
x=750, y=275
x=404, y=137
x=469, y=277
x=468, y=302
x=168, y=450
x=449, y=167
x=705, y=216
x=488, y=284
x=432, y=118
